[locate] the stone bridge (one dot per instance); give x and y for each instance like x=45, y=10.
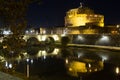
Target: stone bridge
x=87, y=39
x=41, y=38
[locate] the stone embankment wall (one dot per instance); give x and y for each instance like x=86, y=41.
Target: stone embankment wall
x=96, y=39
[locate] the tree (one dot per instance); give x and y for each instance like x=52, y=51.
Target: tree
x=13, y=15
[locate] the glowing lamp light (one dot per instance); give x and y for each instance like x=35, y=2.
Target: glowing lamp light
x=89, y=65
x=117, y=70
x=26, y=31
x=6, y=64
x=118, y=26
x=6, y=32
x=31, y=61
x=43, y=38
x=25, y=53
x=10, y=65
x=80, y=38
x=80, y=54
x=66, y=61
x=44, y=57
x=104, y=58
x=41, y=53
x=105, y=38
x=56, y=51
x=55, y=37
x=70, y=69
x=63, y=34
x=44, y=31
x=27, y=60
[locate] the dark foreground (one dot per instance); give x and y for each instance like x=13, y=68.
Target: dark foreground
x=4, y=76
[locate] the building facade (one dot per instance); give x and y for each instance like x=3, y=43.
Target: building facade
x=82, y=16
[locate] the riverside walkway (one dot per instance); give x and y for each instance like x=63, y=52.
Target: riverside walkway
x=94, y=46
x=4, y=76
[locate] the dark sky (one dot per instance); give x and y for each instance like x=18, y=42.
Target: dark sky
x=49, y=13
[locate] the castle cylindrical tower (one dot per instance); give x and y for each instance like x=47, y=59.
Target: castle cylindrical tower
x=81, y=16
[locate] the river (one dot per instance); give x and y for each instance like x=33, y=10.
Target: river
x=69, y=63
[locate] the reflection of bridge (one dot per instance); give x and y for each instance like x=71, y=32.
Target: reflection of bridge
x=49, y=51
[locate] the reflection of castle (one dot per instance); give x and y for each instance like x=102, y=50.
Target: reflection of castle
x=81, y=16
x=76, y=68
x=80, y=62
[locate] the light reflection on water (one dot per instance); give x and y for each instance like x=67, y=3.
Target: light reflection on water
x=66, y=63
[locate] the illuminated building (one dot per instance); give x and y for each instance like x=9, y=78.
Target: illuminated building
x=82, y=16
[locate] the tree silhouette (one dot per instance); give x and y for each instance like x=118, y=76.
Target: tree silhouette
x=13, y=15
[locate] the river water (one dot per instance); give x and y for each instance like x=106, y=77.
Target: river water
x=71, y=63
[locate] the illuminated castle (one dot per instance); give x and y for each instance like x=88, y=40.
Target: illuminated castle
x=82, y=16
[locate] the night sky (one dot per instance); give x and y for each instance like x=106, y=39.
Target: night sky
x=51, y=13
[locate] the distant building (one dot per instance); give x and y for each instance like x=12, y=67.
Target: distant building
x=82, y=16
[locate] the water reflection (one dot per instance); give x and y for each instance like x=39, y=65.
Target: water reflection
x=82, y=61
x=64, y=63
x=77, y=68
x=32, y=52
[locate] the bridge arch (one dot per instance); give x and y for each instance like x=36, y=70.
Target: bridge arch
x=40, y=37
x=32, y=41
x=50, y=40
